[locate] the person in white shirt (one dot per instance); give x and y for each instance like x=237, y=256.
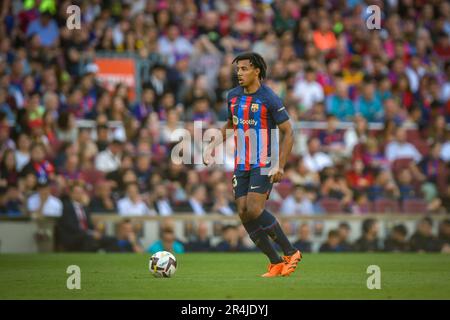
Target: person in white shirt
x=23, y=151
x=315, y=160
x=174, y=45
x=109, y=159
x=132, y=204
x=400, y=148
x=297, y=204
x=308, y=91
x=445, y=151
x=43, y=203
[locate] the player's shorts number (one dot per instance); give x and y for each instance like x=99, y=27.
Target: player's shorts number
x=234, y=181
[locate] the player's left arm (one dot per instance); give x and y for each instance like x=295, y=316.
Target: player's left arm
x=286, y=143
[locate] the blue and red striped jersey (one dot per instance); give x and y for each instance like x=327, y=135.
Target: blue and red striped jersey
x=253, y=116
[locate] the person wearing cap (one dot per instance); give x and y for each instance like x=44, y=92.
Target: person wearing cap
x=43, y=203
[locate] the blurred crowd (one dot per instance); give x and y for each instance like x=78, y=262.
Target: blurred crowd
x=324, y=62
x=234, y=238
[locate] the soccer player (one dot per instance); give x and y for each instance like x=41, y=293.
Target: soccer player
x=253, y=106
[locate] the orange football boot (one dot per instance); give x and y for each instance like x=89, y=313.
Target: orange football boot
x=274, y=270
x=291, y=263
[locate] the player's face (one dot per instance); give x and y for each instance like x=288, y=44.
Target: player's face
x=246, y=73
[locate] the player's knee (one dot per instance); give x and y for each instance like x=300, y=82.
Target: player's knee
x=254, y=209
x=242, y=213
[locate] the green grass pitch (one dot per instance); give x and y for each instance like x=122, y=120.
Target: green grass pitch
x=224, y=276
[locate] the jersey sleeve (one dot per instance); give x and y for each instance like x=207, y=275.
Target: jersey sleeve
x=277, y=109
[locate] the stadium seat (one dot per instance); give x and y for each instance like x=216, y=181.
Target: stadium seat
x=421, y=145
x=273, y=206
x=400, y=164
x=414, y=206
x=284, y=189
x=203, y=175
x=331, y=205
x=385, y=206
x=92, y=176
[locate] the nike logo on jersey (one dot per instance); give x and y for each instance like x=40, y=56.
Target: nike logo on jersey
x=254, y=187
x=281, y=109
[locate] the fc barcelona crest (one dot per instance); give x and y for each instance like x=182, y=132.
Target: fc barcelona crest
x=255, y=107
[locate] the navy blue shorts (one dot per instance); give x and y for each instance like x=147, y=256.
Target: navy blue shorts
x=250, y=181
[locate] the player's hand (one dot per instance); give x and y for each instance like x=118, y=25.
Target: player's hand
x=208, y=159
x=276, y=174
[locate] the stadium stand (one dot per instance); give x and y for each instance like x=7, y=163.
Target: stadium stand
x=101, y=105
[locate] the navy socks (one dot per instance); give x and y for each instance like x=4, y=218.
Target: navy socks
x=273, y=229
x=262, y=241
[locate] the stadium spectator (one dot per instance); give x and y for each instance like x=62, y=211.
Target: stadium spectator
x=397, y=240
x=358, y=134
x=127, y=240
x=173, y=44
x=384, y=186
x=43, y=203
x=301, y=175
x=196, y=202
x=38, y=165
x=11, y=201
x=75, y=230
x=200, y=241
x=400, y=148
x=361, y=204
x=423, y=239
x=407, y=190
x=231, y=241
x=334, y=185
x=222, y=202
x=22, y=152
x=109, y=159
x=369, y=103
x=133, y=204
x=332, y=139
x=369, y=241
x=303, y=242
x=167, y=243
x=8, y=172
x=359, y=178
x=333, y=242
x=315, y=160
x=344, y=233
x=161, y=201
x=339, y=104
x=102, y=201
x=308, y=91
x=298, y=203
x=46, y=28
x=372, y=155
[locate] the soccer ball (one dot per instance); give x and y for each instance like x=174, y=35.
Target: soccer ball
x=162, y=264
